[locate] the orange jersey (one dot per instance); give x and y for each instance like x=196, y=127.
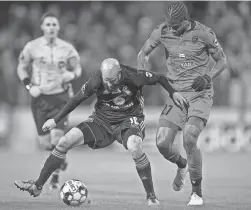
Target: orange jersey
x=187, y=56
x=48, y=62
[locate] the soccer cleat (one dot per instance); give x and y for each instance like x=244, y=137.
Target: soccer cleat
x=195, y=200
x=179, y=179
x=54, y=183
x=29, y=186
x=152, y=200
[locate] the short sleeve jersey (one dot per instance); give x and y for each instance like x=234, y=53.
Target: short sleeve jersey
x=48, y=62
x=187, y=56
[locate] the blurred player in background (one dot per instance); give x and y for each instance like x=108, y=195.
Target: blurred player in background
x=188, y=47
x=53, y=63
x=118, y=116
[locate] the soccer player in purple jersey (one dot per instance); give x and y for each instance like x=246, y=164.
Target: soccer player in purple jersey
x=188, y=47
x=118, y=116
x=54, y=63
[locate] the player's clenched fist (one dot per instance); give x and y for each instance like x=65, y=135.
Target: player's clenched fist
x=48, y=125
x=35, y=91
x=179, y=100
x=201, y=82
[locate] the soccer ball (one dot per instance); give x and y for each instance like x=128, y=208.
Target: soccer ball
x=73, y=192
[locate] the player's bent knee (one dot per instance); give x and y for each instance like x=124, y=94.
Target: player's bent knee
x=55, y=135
x=45, y=143
x=134, y=145
x=70, y=139
x=64, y=143
x=191, y=134
x=165, y=137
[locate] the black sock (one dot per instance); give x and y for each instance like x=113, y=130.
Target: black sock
x=144, y=170
x=196, y=187
x=52, y=163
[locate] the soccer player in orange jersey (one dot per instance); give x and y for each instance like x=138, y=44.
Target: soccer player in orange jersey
x=54, y=63
x=188, y=47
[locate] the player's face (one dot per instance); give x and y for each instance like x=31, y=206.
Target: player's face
x=178, y=27
x=173, y=25
x=50, y=27
x=112, y=84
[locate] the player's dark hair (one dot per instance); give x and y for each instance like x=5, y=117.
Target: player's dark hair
x=176, y=11
x=47, y=14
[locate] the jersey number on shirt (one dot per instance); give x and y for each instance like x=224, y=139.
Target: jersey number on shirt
x=134, y=120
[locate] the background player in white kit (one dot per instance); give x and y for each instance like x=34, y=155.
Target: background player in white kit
x=54, y=64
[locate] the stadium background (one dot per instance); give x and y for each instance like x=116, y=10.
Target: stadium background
x=118, y=29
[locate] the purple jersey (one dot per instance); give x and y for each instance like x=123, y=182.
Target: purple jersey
x=187, y=56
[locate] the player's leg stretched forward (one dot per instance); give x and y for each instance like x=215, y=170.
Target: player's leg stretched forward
x=49, y=139
x=164, y=141
x=72, y=139
x=192, y=131
x=48, y=143
x=133, y=142
x=55, y=135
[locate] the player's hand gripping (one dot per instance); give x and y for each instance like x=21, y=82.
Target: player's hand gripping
x=201, y=82
x=48, y=125
x=34, y=91
x=179, y=100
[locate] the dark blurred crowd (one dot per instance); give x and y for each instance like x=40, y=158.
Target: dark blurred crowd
x=118, y=29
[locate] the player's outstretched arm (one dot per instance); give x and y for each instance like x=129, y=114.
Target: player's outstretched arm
x=177, y=97
x=148, y=47
x=68, y=108
x=86, y=91
x=143, y=77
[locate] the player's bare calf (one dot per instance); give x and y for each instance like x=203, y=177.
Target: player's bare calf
x=191, y=133
x=164, y=141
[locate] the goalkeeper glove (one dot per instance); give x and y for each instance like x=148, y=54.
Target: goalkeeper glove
x=201, y=83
